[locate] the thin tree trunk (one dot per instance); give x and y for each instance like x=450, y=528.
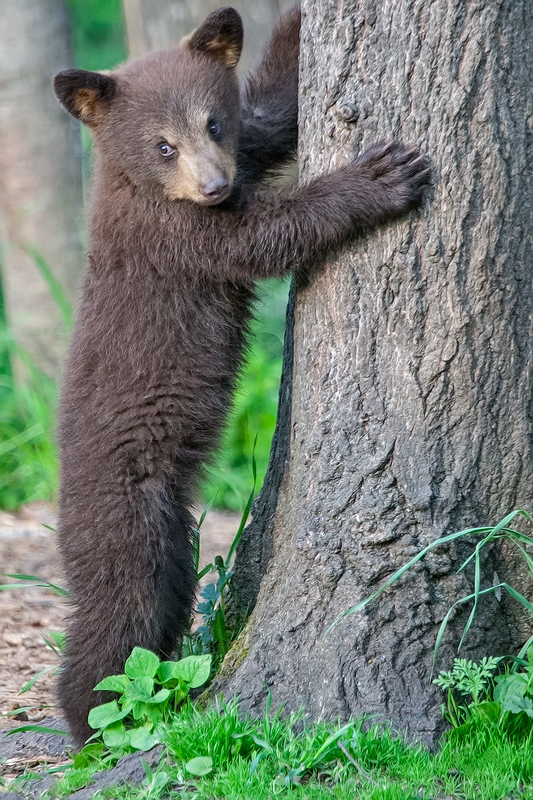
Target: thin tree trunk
x=157, y=24
x=411, y=412
x=40, y=173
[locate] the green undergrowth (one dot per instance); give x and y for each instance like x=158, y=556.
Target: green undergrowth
x=253, y=418
x=28, y=397
x=223, y=753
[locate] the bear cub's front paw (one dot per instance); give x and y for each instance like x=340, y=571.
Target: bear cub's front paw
x=399, y=174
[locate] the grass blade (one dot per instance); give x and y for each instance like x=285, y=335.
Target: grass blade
x=246, y=512
x=54, y=286
x=398, y=574
x=32, y=580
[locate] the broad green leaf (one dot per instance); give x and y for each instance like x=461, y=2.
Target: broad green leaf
x=516, y=704
x=513, y=685
x=139, y=709
x=114, y=683
x=160, y=696
x=154, y=713
x=115, y=739
x=106, y=714
x=165, y=670
x=142, y=663
x=194, y=670
x=88, y=755
x=201, y=765
x=140, y=689
x=143, y=739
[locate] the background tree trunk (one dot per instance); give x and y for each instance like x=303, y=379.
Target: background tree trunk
x=156, y=24
x=40, y=172
x=411, y=407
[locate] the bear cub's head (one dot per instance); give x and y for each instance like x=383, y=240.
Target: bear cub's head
x=169, y=121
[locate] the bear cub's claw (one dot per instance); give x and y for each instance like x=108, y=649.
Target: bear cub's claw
x=399, y=174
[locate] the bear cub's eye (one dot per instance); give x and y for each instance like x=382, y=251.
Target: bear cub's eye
x=165, y=149
x=214, y=129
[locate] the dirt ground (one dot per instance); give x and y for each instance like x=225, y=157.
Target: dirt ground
x=27, y=615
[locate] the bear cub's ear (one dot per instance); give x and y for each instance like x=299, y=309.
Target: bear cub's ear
x=219, y=36
x=84, y=94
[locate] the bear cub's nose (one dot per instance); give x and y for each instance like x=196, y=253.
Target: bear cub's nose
x=214, y=188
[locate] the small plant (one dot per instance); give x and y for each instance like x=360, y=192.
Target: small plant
x=493, y=698
x=150, y=691
x=514, y=691
x=214, y=635
x=469, y=680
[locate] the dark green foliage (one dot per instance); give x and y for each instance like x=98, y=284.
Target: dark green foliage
x=150, y=692
x=97, y=33
x=255, y=406
x=28, y=398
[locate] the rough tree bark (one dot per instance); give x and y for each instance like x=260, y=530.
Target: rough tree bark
x=40, y=173
x=411, y=409
x=157, y=24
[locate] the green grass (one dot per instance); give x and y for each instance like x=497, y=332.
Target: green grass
x=28, y=455
x=270, y=757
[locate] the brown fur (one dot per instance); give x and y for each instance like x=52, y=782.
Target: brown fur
x=162, y=325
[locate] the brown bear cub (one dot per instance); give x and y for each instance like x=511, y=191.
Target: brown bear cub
x=178, y=238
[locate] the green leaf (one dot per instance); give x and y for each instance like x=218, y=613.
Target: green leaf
x=36, y=729
x=487, y=712
x=160, y=696
x=33, y=579
x=88, y=755
x=194, y=670
x=116, y=739
x=142, y=739
x=165, y=671
x=201, y=765
x=219, y=632
x=516, y=704
x=507, y=686
x=56, y=641
x=139, y=709
x=154, y=713
x=114, y=683
x=140, y=689
x=141, y=663
x=106, y=714
x=28, y=686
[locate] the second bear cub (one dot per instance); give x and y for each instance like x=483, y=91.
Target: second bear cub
x=178, y=237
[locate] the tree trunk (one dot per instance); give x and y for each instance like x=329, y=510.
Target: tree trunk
x=40, y=173
x=412, y=380
x=157, y=24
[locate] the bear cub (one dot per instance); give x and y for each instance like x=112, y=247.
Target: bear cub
x=179, y=234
